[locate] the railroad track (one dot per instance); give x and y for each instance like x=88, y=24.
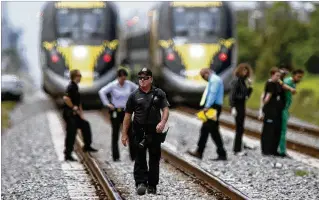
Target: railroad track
x=97, y=172
x=293, y=145
x=207, y=179
x=307, y=130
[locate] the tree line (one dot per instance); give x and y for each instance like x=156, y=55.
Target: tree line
x=279, y=40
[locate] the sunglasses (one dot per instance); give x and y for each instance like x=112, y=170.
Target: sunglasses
x=144, y=77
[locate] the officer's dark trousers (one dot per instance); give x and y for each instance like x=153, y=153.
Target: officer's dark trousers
x=117, y=120
x=74, y=122
x=141, y=172
x=211, y=127
x=240, y=120
x=271, y=131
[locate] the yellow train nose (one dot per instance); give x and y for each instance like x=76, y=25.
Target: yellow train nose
x=196, y=57
x=83, y=58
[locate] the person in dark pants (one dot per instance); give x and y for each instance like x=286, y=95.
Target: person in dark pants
x=213, y=99
x=272, y=109
x=240, y=92
x=120, y=89
x=73, y=117
x=148, y=126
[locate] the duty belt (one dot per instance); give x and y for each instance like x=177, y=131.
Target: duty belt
x=119, y=109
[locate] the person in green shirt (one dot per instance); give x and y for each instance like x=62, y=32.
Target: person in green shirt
x=292, y=81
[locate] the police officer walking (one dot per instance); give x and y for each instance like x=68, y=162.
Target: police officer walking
x=73, y=116
x=146, y=103
x=120, y=89
x=213, y=99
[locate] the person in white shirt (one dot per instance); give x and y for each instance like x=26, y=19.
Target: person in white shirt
x=119, y=89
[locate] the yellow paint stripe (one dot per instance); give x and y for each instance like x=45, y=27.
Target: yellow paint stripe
x=192, y=64
x=81, y=4
x=196, y=63
x=85, y=64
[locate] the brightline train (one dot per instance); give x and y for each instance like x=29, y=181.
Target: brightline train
x=178, y=39
x=78, y=35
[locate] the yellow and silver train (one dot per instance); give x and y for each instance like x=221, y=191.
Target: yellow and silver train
x=178, y=39
x=78, y=35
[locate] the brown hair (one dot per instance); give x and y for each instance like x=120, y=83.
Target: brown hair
x=73, y=73
x=241, y=67
x=298, y=71
x=274, y=70
x=204, y=71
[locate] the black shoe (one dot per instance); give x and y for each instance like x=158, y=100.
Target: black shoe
x=276, y=154
x=219, y=158
x=195, y=154
x=69, y=158
x=284, y=155
x=90, y=149
x=116, y=159
x=141, y=189
x=151, y=189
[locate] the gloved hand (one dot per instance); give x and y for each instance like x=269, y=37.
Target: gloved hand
x=261, y=114
x=233, y=111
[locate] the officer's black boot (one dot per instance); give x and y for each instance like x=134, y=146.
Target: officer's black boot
x=69, y=158
x=141, y=189
x=90, y=149
x=195, y=154
x=151, y=189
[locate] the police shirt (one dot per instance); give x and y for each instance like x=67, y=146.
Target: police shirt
x=274, y=104
x=139, y=101
x=72, y=92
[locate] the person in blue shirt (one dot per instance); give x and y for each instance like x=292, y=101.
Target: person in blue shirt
x=213, y=99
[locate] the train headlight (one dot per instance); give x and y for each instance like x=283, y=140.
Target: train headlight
x=196, y=51
x=79, y=52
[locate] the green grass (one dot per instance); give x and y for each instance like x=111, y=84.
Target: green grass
x=6, y=107
x=301, y=173
x=305, y=104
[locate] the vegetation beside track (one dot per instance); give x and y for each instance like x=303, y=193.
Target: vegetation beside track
x=305, y=103
x=6, y=108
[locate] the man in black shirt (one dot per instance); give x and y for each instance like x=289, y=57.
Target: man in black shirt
x=146, y=126
x=73, y=117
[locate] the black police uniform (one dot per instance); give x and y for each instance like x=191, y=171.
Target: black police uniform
x=74, y=121
x=138, y=102
x=272, y=119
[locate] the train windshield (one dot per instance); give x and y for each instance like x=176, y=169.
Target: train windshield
x=200, y=23
x=80, y=24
